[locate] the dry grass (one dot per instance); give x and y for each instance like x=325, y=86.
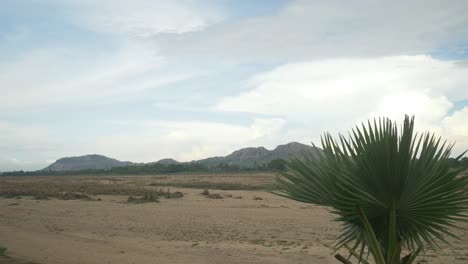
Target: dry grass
x=226, y=186
x=66, y=189
x=58, y=187
x=234, y=181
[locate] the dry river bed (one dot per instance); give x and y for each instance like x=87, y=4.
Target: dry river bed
x=251, y=226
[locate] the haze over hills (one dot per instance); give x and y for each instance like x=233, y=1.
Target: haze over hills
x=246, y=158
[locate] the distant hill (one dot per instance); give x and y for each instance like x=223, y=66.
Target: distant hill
x=251, y=157
x=94, y=161
x=244, y=158
x=165, y=162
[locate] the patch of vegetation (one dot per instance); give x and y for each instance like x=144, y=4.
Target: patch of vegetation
x=148, y=197
x=75, y=196
x=44, y=194
x=3, y=251
x=257, y=241
x=176, y=195
x=66, y=190
x=458, y=163
x=226, y=186
x=278, y=165
x=41, y=197
x=159, y=168
x=284, y=243
x=147, y=169
x=214, y=196
x=169, y=195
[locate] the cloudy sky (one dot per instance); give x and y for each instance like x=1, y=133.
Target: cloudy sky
x=142, y=80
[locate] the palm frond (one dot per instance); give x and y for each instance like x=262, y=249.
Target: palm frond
x=379, y=169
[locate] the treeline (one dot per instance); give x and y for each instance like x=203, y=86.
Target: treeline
x=157, y=168
x=458, y=164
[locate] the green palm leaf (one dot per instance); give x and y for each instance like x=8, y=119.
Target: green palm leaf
x=399, y=182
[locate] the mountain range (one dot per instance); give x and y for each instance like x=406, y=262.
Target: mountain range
x=246, y=158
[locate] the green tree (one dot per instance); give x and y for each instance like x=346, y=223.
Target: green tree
x=464, y=162
x=278, y=165
x=392, y=189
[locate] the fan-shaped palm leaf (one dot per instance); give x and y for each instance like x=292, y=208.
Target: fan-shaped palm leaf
x=390, y=187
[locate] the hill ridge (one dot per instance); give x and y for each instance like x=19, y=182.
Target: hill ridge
x=244, y=157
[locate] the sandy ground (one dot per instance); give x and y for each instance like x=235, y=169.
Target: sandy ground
x=259, y=228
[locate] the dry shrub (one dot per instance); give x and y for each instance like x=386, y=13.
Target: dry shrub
x=214, y=196
x=64, y=189
x=148, y=197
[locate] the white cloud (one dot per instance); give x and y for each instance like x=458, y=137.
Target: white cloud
x=457, y=124
x=186, y=140
x=62, y=73
x=330, y=85
x=58, y=75
x=22, y=144
x=332, y=95
x=428, y=110
x=28, y=137
x=144, y=18
x=343, y=62
x=12, y=164
x=455, y=127
x=137, y=141
x=325, y=29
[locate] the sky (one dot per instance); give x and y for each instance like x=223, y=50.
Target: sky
x=142, y=80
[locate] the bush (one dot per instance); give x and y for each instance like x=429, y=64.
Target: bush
x=174, y=195
x=3, y=251
x=148, y=197
x=215, y=196
x=170, y=195
x=278, y=165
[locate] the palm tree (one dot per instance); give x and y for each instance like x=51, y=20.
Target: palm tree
x=392, y=190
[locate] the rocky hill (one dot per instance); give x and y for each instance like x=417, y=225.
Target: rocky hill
x=165, y=162
x=245, y=158
x=251, y=157
x=93, y=161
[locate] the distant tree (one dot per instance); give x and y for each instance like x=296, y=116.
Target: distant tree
x=464, y=162
x=278, y=164
x=458, y=163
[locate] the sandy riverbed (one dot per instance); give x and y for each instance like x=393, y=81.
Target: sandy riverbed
x=246, y=226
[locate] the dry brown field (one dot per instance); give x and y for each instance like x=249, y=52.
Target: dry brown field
x=81, y=220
